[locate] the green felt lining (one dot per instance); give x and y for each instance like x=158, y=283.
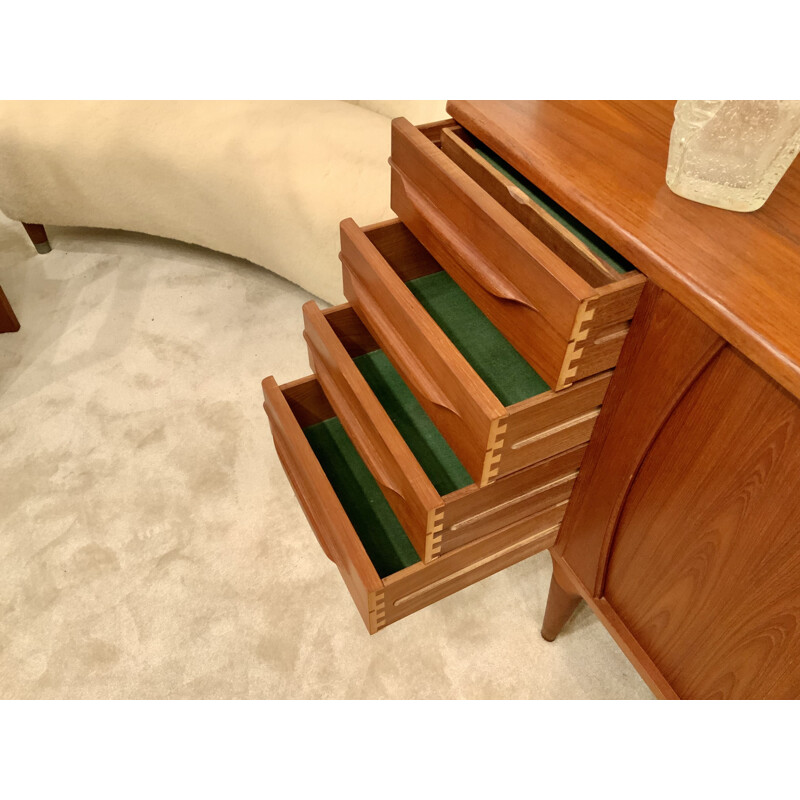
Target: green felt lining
x=377, y=527
x=429, y=447
x=510, y=377
x=591, y=240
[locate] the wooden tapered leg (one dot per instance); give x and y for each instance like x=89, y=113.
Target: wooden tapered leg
x=8, y=319
x=38, y=235
x=561, y=602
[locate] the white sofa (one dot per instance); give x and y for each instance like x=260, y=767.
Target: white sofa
x=267, y=181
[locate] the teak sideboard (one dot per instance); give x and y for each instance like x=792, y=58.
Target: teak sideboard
x=550, y=350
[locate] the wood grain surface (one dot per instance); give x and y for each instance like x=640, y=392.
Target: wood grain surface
x=507, y=253
x=562, y=600
x=613, y=303
x=627, y=642
x=381, y=602
x=350, y=330
x=422, y=584
x=404, y=254
x=666, y=349
x=551, y=423
x=322, y=508
x=522, y=286
x=307, y=401
x=458, y=145
x=473, y=512
x=466, y=514
x=402, y=480
x=705, y=564
x=454, y=396
x=605, y=162
x=446, y=386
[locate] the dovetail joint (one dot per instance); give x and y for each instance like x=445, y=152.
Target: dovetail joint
x=569, y=368
x=433, y=547
x=491, y=462
x=433, y=540
x=378, y=614
x=579, y=332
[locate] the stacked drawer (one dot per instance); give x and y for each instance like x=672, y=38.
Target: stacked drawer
x=426, y=450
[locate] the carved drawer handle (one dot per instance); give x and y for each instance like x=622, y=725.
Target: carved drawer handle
x=425, y=383
x=472, y=262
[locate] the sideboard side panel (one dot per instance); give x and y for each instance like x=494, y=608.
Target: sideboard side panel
x=705, y=565
x=666, y=349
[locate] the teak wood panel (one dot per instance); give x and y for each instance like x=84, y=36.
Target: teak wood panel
x=433, y=130
x=421, y=585
x=381, y=602
x=462, y=407
x=598, y=342
x=459, y=146
x=567, y=585
x=473, y=512
x=470, y=234
x=540, y=303
x=490, y=439
x=460, y=516
x=403, y=482
x=551, y=422
x=322, y=508
x=495, y=236
x=605, y=163
x=705, y=562
x=665, y=350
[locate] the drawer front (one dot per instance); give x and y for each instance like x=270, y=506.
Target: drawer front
x=381, y=601
x=404, y=484
x=492, y=440
x=446, y=386
x=472, y=512
x=416, y=587
x=322, y=508
x=551, y=423
x=544, y=306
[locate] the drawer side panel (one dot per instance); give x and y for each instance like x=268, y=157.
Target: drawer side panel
x=325, y=514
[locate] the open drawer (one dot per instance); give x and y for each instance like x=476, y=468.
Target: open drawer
x=429, y=491
x=562, y=299
x=357, y=529
x=492, y=408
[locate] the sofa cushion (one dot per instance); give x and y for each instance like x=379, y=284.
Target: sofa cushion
x=267, y=181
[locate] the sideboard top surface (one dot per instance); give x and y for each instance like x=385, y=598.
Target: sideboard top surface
x=605, y=162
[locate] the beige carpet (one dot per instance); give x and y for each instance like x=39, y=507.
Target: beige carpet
x=150, y=545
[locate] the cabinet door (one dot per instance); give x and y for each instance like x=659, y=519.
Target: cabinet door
x=704, y=567
x=683, y=531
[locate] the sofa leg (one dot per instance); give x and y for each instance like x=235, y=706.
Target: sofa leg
x=38, y=235
x=8, y=319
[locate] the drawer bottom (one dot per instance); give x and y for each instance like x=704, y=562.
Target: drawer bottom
x=380, y=532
